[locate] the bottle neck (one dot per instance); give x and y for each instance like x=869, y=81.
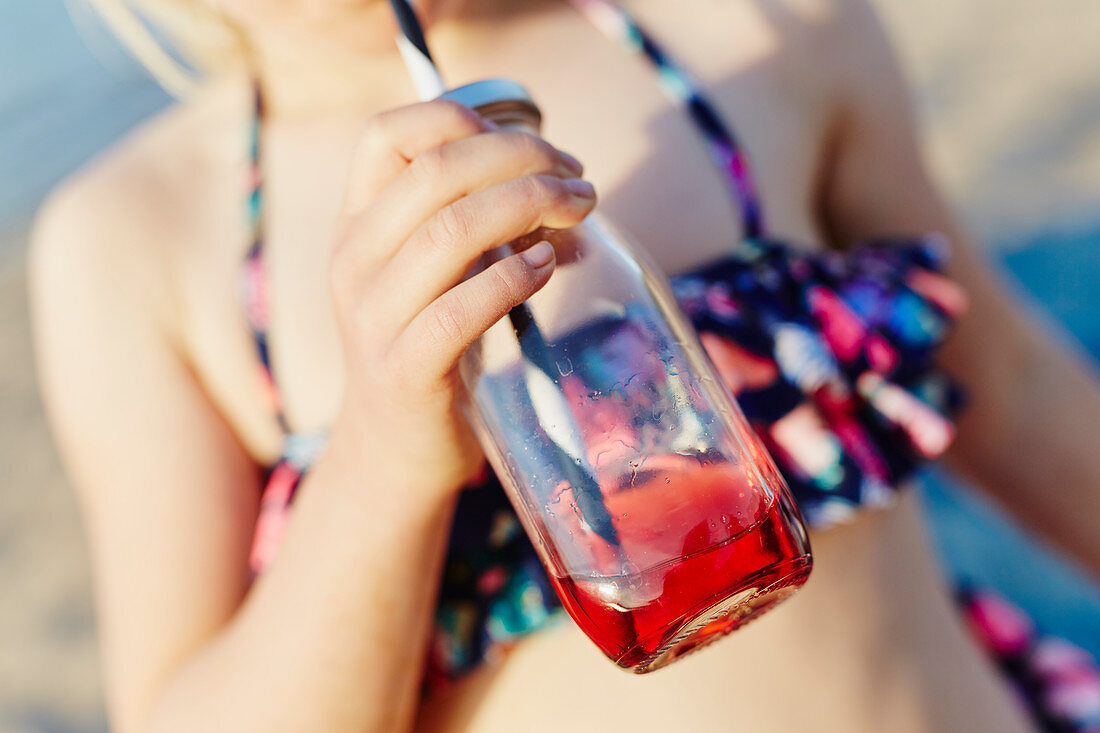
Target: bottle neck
x=512, y=116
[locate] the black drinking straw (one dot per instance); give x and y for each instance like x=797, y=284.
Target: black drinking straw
x=533, y=346
x=586, y=492
x=410, y=28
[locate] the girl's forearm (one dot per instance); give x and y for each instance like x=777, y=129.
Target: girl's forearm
x=334, y=634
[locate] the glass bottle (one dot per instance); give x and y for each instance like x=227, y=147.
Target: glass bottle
x=661, y=519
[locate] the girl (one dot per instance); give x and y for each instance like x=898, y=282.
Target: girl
x=371, y=209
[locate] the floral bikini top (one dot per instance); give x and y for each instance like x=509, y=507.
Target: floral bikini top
x=828, y=353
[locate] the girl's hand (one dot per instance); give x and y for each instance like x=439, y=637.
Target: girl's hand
x=433, y=187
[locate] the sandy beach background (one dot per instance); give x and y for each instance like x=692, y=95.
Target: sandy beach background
x=1009, y=96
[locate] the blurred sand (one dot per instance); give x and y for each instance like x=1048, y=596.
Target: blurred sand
x=1010, y=100
x=48, y=668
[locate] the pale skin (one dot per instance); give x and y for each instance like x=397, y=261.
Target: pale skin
x=376, y=206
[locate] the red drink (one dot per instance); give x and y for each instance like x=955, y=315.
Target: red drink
x=712, y=552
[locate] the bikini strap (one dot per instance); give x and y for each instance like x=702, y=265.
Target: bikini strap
x=253, y=280
x=680, y=86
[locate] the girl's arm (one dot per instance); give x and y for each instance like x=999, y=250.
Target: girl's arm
x=332, y=637
x=1029, y=433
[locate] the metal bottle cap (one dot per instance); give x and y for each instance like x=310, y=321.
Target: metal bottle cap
x=487, y=94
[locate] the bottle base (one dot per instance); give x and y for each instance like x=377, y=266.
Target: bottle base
x=719, y=618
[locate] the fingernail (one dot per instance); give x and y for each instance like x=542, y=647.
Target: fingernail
x=573, y=163
x=580, y=188
x=539, y=255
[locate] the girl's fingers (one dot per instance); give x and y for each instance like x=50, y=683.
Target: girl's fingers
x=443, y=174
x=435, y=340
x=441, y=251
x=392, y=139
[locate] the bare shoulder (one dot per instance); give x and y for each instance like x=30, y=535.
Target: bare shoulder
x=840, y=42
x=860, y=43
x=830, y=32
x=134, y=215
x=821, y=50
x=109, y=253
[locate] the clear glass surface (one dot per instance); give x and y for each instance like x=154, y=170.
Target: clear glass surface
x=660, y=517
